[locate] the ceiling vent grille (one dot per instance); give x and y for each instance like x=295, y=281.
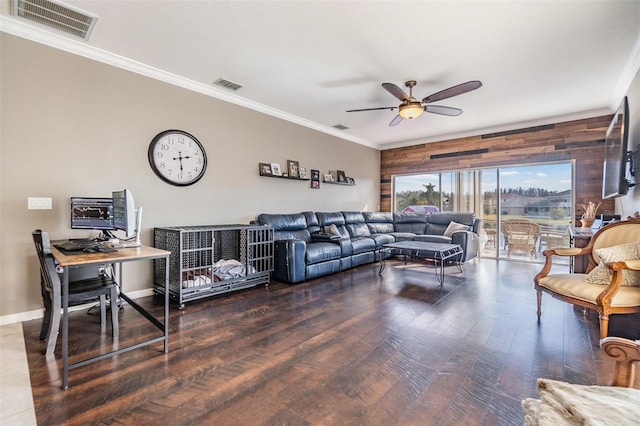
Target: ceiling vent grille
x=56, y=15
x=227, y=84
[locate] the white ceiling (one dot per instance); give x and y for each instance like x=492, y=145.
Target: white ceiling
x=310, y=61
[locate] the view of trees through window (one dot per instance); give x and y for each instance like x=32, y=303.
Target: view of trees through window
x=540, y=194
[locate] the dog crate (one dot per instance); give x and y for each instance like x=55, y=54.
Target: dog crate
x=210, y=260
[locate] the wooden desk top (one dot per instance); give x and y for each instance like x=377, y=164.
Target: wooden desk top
x=120, y=255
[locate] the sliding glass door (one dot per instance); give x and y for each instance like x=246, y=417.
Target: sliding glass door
x=525, y=209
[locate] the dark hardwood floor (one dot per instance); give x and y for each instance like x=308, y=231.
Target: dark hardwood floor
x=353, y=348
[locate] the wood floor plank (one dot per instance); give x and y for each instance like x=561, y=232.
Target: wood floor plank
x=351, y=348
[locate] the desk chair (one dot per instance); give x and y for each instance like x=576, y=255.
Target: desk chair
x=80, y=292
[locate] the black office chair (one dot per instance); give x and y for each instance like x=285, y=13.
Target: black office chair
x=80, y=292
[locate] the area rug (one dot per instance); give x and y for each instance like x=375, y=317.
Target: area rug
x=562, y=404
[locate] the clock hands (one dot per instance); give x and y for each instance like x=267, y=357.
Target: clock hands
x=180, y=158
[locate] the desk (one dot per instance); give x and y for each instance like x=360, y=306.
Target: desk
x=580, y=238
x=120, y=256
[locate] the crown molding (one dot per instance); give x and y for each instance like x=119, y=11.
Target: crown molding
x=39, y=35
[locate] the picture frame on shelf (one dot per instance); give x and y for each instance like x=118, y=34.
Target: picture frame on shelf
x=315, y=179
x=350, y=181
x=275, y=169
x=328, y=177
x=265, y=169
x=342, y=178
x=333, y=175
x=303, y=173
x=293, y=168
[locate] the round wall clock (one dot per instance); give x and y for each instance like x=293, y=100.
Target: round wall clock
x=177, y=157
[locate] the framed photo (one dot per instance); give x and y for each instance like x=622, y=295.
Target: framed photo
x=350, y=181
x=293, y=167
x=341, y=176
x=275, y=169
x=303, y=173
x=265, y=169
x=315, y=179
x=333, y=176
x=328, y=177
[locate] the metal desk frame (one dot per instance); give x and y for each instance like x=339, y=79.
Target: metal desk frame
x=120, y=256
x=439, y=253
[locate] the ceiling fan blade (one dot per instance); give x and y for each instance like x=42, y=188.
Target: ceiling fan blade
x=396, y=120
x=453, y=91
x=396, y=91
x=443, y=110
x=372, y=109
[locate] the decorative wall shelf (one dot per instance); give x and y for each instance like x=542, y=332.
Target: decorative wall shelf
x=339, y=183
x=286, y=177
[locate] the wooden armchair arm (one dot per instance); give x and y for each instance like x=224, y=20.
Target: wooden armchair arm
x=633, y=265
x=625, y=353
x=561, y=251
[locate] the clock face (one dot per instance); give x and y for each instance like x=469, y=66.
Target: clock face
x=177, y=157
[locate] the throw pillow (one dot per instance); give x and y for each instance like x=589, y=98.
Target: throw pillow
x=602, y=275
x=453, y=227
x=331, y=230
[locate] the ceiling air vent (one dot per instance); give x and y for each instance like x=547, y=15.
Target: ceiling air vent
x=56, y=15
x=340, y=127
x=227, y=84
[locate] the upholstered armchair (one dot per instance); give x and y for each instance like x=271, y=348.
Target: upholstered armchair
x=611, y=284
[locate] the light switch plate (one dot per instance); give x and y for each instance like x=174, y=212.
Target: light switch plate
x=39, y=203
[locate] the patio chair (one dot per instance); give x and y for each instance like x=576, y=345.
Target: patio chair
x=520, y=235
x=611, y=283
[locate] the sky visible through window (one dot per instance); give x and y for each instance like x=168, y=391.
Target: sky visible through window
x=553, y=177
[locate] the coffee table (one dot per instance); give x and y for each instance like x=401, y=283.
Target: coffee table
x=438, y=253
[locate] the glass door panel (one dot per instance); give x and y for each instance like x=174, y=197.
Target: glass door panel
x=489, y=236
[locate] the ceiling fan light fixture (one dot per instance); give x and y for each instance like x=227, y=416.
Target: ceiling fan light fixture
x=411, y=110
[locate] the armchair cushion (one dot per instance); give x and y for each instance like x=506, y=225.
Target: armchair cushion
x=602, y=274
x=453, y=227
x=574, y=286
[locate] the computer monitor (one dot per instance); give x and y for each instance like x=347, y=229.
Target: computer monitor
x=92, y=213
x=125, y=215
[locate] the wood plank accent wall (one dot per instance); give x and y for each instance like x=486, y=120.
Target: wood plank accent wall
x=580, y=140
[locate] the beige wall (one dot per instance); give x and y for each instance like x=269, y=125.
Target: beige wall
x=74, y=127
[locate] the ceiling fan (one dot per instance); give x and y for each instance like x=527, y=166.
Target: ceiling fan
x=411, y=108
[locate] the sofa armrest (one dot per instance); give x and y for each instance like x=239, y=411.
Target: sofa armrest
x=289, y=260
x=468, y=240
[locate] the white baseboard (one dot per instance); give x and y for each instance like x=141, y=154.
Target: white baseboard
x=38, y=313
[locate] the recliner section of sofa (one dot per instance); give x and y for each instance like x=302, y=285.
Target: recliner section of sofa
x=303, y=250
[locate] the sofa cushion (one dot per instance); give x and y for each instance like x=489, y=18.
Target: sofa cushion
x=433, y=239
x=382, y=239
x=414, y=223
x=454, y=227
x=287, y=226
x=333, y=218
x=602, y=275
x=362, y=244
x=320, y=252
x=379, y=222
x=312, y=222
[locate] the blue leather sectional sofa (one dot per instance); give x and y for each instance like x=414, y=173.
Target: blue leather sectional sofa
x=305, y=248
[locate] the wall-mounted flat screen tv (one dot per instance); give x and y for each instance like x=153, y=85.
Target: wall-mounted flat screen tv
x=614, y=182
